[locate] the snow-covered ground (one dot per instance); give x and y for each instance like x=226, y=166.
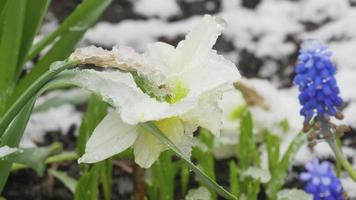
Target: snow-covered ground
x=271, y=32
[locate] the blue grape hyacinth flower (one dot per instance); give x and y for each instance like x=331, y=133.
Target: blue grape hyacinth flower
x=321, y=181
x=319, y=93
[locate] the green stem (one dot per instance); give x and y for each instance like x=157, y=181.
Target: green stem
x=342, y=159
x=155, y=131
x=32, y=90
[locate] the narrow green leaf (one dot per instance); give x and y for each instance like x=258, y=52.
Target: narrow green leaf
x=246, y=149
x=163, y=176
x=184, y=176
x=13, y=136
x=234, y=182
x=71, y=31
x=32, y=92
x=87, y=186
x=80, y=20
x=11, y=23
x=33, y=157
x=34, y=14
x=68, y=181
x=58, y=158
x=272, y=143
x=2, y=6
x=204, y=157
x=106, y=177
x=150, y=127
x=280, y=173
x=253, y=188
x=62, y=157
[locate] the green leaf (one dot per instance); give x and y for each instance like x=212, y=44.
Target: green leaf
x=58, y=158
x=80, y=20
x=150, y=127
x=163, y=176
x=253, y=188
x=12, y=24
x=204, y=157
x=184, y=176
x=96, y=111
x=33, y=157
x=280, y=173
x=87, y=187
x=246, y=149
x=68, y=181
x=32, y=92
x=13, y=136
x=234, y=181
x=33, y=18
x=2, y=6
x=62, y=157
x=106, y=177
x=66, y=37
x=272, y=144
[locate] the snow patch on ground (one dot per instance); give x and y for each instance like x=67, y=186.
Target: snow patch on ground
x=153, y=8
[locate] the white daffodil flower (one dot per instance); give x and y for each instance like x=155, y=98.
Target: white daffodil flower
x=176, y=87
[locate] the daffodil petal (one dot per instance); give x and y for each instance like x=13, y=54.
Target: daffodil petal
x=215, y=71
x=199, y=42
x=207, y=113
x=120, y=90
x=161, y=54
x=147, y=148
x=110, y=137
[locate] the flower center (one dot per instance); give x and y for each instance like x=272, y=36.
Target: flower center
x=179, y=91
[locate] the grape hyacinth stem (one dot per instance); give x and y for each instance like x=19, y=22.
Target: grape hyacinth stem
x=341, y=158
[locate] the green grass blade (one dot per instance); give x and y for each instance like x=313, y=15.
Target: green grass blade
x=246, y=149
x=150, y=127
x=163, y=174
x=184, y=175
x=106, y=177
x=273, y=146
x=87, y=187
x=280, y=173
x=205, y=158
x=234, y=181
x=68, y=181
